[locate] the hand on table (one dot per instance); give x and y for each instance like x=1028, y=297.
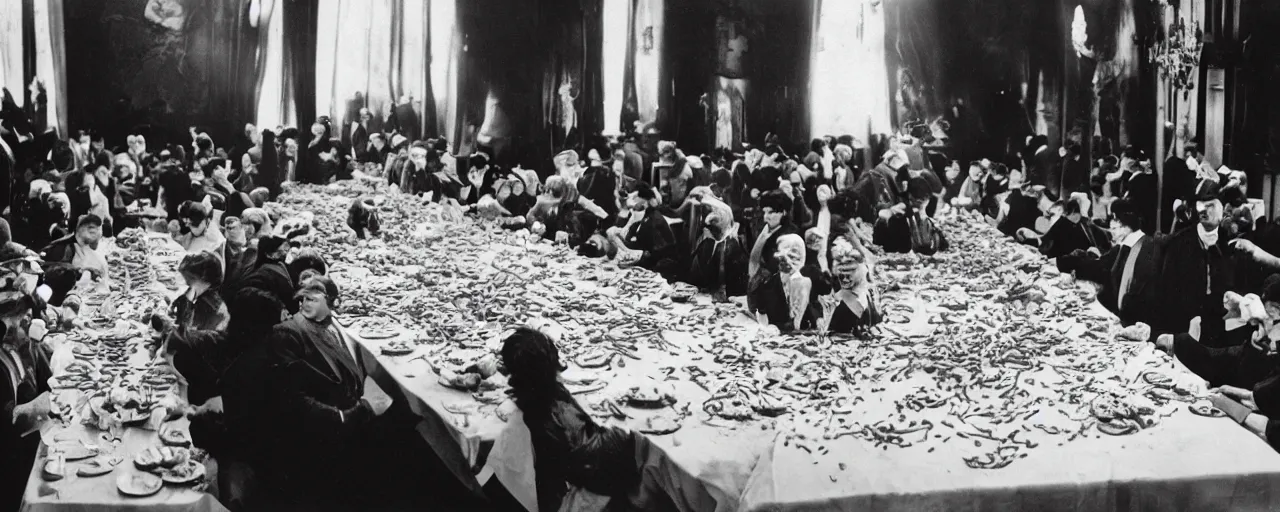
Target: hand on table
x=1244, y=396
x=1165, y=342
x=562, y=237
x=1228, y=405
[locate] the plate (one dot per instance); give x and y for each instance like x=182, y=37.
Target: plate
x=175, y=437
x=397, y=348
x=98, y=467
x=379, y=334
x=138, y=484
x=185, y=473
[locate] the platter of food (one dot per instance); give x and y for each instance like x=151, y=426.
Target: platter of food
x=183, y=473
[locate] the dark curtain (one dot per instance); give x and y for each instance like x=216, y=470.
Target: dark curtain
x=300, y=22
x=780, y=57
x=233, y=84
x=591, y=114
x=572, y=43
x=630, y=100
x=970, y=73
x=689, y=61
x=126, y=73
x=28, y=51
x=429, y=126
x=505, y=51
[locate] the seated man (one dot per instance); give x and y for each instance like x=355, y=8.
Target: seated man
x=647, y=236
x=1244, y=360
x=329, y=422
x=912, y=229
x=79, y=250
x=1074, y=231
x=1126, y=272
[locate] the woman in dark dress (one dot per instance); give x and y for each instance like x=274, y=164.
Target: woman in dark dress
x=569, y=447
x=775, y=207
x=856, y=308
x=789, y=298
x=720, y=259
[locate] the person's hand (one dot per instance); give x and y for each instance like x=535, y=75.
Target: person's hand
x=755, y=193
x=562, y=237
x=1164, y=342
x=1234, y=409
x=1115, y=176
x=538, y=228
x=175, y=227
x=1244, y=396
x=35, y=411
x=899, y=208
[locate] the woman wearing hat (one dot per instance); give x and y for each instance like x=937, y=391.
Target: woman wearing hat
x=647, y=239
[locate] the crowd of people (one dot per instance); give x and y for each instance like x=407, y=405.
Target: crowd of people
x=279, y=390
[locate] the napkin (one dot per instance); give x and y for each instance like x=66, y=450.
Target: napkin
x=511, y=462
x=378, y=399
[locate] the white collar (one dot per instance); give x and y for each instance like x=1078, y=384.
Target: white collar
x=1208, y=238
x=1042, y=149
x=1133, y=238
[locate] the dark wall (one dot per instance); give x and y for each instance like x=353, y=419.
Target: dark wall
x=126, y=71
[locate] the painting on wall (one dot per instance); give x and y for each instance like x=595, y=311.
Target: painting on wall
x=150, y=62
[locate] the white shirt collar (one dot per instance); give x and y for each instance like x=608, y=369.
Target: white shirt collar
x=1133, y=238
x=1208, y=238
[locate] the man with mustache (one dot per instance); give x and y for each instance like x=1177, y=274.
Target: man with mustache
x=1199, y=267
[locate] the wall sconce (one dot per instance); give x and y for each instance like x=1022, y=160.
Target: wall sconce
x=648, y=40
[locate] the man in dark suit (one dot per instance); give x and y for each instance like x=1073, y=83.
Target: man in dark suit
x=404, y=119
x=358, y=134
x=1128, y=272
x=332, y=434
x=1199, y=266
x=1074, y=231
x=1041, y=162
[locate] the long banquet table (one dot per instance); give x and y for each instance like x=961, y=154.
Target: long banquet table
x=976, y=393
x=74, y=493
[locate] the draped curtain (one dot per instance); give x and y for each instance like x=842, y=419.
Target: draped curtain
x=11, y=73
x=615, y=15
x=648, y=38
x=690, y=53
x=848, y=55
x=446, y=46
x=274, y=109
x=232, y=70
x=372, y=54
x=51, y=63
x=571, y=77
x=300, y=57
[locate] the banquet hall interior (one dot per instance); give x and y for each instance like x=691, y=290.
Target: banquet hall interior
x=639, y=255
